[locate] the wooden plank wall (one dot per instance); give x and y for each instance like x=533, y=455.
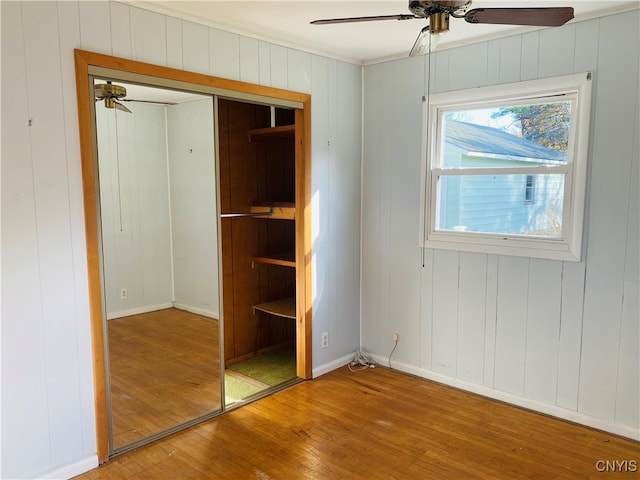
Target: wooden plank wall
x=559, y=337
x=47, y=392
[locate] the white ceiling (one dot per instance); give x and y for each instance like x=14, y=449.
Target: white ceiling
x=287, y=23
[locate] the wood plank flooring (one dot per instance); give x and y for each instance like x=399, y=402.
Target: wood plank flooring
x=164, y=371
x=376, y=424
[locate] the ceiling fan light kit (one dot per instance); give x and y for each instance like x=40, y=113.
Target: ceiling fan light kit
x=438, y=13
x=111, y=93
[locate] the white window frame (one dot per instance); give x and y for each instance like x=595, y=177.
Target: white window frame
x=568, y=247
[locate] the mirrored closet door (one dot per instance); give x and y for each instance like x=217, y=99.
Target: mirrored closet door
x=160, y=269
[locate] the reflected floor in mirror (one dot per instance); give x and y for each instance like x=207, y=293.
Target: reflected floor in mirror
x=164, y=371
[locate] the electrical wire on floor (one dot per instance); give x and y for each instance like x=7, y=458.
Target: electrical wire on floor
x=393, y=350
x=362, y=362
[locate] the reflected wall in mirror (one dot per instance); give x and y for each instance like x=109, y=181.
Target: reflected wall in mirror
x=158, y=220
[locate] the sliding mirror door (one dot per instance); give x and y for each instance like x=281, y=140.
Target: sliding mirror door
x=160, y=274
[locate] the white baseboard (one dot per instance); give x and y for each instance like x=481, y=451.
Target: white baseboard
x=327, y=367
x=138, y=310
x=72, y=470
x=197, y=310
x=535, y=405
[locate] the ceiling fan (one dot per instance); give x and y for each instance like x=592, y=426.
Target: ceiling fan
x=438, y=13
x=111, y=93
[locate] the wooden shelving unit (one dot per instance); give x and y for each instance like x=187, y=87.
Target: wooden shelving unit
x=282, y=259
x=259, y=176
x=271, y=134
x=275, y=210
x=284, y=307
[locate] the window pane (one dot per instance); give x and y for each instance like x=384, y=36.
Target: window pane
x=507, y=136
x=504, y=204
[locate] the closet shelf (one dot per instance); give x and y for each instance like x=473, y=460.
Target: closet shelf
x=284, y=307
x=276, y=210
x=272, y=134
x=283, y=259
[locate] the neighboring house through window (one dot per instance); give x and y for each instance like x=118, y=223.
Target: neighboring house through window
x=506, y=168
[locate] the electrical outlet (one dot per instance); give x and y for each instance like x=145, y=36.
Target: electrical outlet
x=324, y=343
x=396, y=336
x=123, y=294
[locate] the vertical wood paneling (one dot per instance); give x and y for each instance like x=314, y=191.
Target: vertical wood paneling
x=493, y=62
x=445, y=312
x=556, y=46
x=468, y=67
x=120, y=30
x=195, y=47
x=387, y=125
x=331, y=196
x=511, y=324
x=440, y=68
x=299, y=71
x=609, y=198
x=174, y=43
x=491, y=318
x=69, y=38
x=586, y=46
x=426, y=310
x=193, y=210
x=148, y=37
x=279, y=68
x=95, y=32
x=628, y=387
x=48, y=155
x=510, y=59
x=320, y=176
x=224, y=52
x=530, y=53
x=543, y=330
x=24, y=380
x=374, y=112
x=264, y=59
x=249, y=60
x=408, y=84
x=570, y=335
x=471, y=317
x=348, y=109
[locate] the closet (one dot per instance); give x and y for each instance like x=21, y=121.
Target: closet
x=257, y=171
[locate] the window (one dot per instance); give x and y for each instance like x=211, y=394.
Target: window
x=530, y=189
x=506, y=168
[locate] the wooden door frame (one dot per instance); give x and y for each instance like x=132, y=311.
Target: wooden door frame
x=83, y=61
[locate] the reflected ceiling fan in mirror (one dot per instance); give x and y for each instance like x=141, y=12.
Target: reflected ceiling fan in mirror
x=439, y=12
x=111, y=93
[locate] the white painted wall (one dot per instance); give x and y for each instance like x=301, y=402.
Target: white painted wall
x=48, y=425
x=561, y=338
x=194, y=217
x=134, y=208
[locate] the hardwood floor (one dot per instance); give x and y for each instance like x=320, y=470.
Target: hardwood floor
x=376, y=424
x=164, y=371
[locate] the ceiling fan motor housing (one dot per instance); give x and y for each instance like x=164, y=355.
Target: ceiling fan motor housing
x=424, y=9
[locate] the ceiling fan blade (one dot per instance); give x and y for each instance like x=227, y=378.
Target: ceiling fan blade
x=539, y=17
x=146, y=101
x=121, y=107
x=402, y=16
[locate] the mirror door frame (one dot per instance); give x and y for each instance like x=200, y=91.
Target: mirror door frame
x=85, y=61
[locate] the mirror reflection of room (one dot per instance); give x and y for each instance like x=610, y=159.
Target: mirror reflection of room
x=160, y=266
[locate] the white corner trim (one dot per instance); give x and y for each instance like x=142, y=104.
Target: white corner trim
x=528, y=403
x=328, y=367
x=73, y=469
x=197, y=310
x=138, y=310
